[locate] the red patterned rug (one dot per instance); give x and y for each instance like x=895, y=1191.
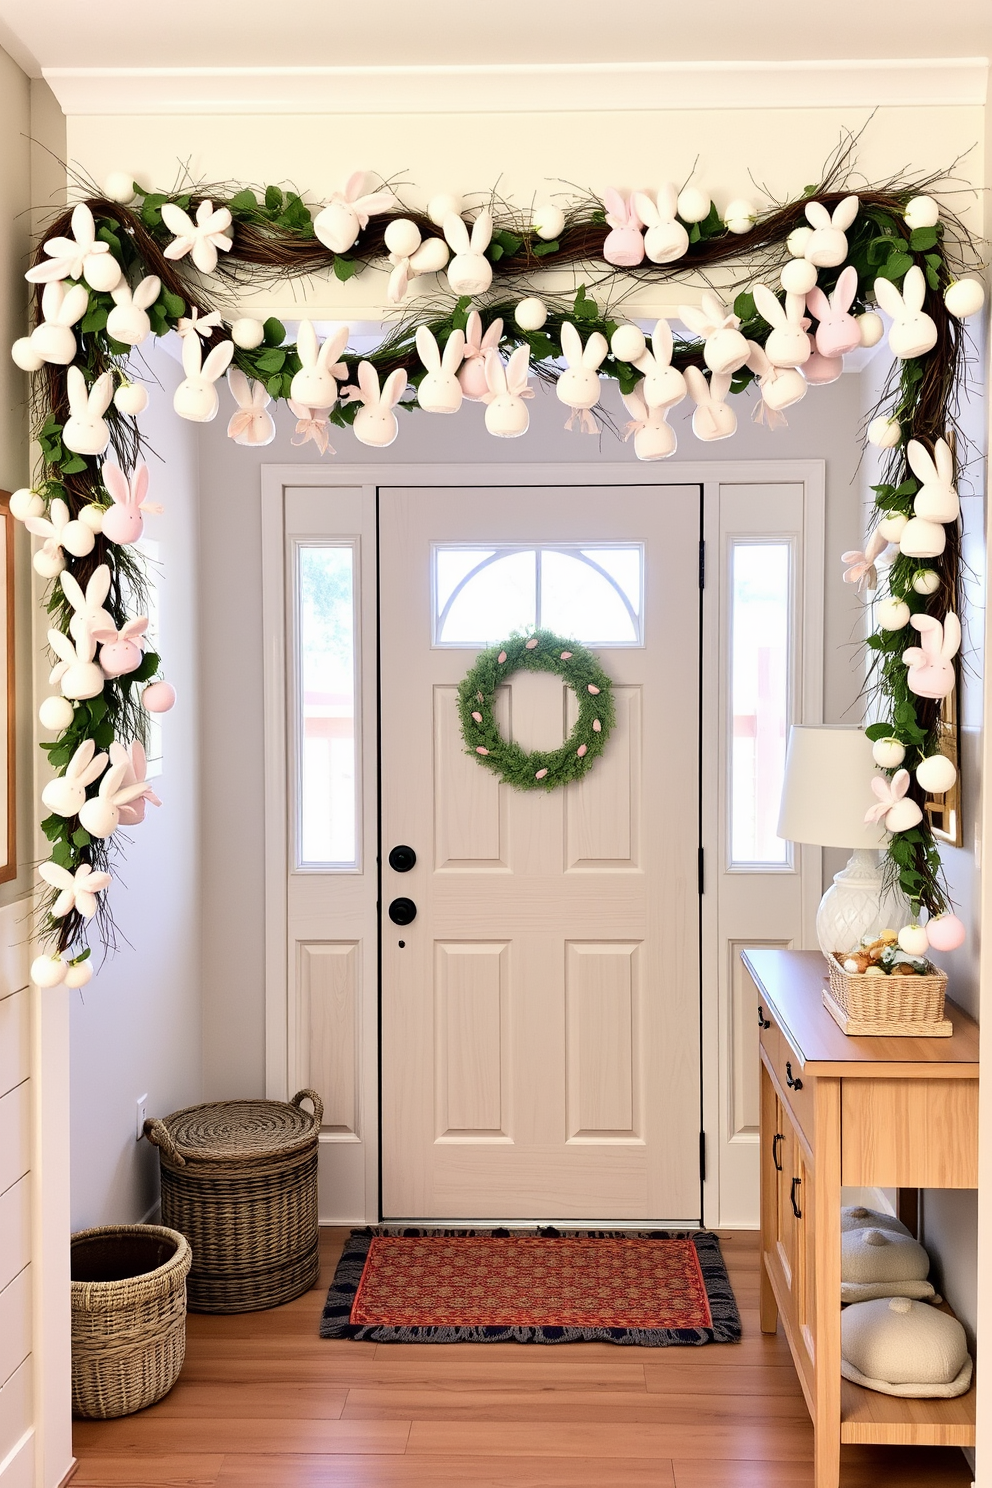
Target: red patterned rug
x=459, y=1285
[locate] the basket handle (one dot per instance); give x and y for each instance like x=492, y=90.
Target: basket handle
x=315, y=1101
x=158, y=1134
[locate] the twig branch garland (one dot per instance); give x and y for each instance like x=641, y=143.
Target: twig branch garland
x=112, y=273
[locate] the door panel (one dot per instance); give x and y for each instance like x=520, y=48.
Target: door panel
x=540, y=1016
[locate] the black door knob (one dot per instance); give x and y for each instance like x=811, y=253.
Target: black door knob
x=402, y=859
x=402, y=911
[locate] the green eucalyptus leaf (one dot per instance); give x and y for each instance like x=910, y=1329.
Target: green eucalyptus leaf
x=345, y=268
x=174, y=304
x=541, y=250
x=273, y=199
x=274, y=332
x=243, y=201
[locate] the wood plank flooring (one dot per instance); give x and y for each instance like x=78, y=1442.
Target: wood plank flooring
x=263, y=1402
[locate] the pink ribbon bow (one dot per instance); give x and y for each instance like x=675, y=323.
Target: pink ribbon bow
x=587, y=424
x=311, y=423
x=862, y=570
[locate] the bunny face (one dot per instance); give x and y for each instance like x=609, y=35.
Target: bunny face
x=507, y=415
x=838, y=332
x=826, y=247
x=66, y=794
x=314, y=384
x=128, y=321
x=196, y=397
x=123, y=523
x=663, y=384
x=120, y=651
x=252, y=424
x=666, y=240
x=440, y=391
x=931, y=664
x=578, y=386
x=714, y=418
x=936, y=500
x=913, y=332
x=472, y=374
x=469, y=272
x=624, y=244
x=86, y=432
x=88, y=609
x=787, y=344
x=375, y=423
x=653, y=438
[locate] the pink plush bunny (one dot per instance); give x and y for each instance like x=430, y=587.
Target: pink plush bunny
x=931, y=663
x=123, y=523
x=101, y=814
x=136, y=767
x=624, y=245
x=894, y=810
x=120, y=651
x=838, y=332
x=472, y=374
x=820, y=370
x=252, y=424
x=862, y=570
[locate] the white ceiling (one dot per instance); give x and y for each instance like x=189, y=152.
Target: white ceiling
x=245, y=33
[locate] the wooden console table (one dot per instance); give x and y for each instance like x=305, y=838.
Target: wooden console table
x=864, y=1112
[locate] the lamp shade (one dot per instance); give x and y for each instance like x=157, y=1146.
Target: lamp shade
x=827, y=790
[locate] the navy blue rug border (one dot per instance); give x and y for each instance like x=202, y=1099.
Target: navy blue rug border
x=336, y=1319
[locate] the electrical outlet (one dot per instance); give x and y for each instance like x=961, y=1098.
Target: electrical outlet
x=139, y=1117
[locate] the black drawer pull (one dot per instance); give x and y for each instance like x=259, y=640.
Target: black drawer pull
x=792, y=1084
x=762, y=1020
x=796, y=1184
x=776, y=1159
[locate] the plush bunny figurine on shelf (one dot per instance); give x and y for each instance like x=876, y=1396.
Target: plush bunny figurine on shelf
x=507, y=415
x=724, y=347
x=893, y=808
x=931, y=663
x=578, y=386
x=624, y=243
x=713, y=418
x=900, y=1347
x=666, y=239
x=654, y=439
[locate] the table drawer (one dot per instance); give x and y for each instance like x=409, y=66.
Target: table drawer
x=786, y=1066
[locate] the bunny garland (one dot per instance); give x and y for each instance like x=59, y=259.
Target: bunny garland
x=105, y=284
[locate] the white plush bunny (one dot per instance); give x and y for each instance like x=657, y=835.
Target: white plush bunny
x=787, y=344
x=135, y=768
x=724, y=348
x=78, y=257
x=838, y=332
x=66, y=793
x=780, y=386
x=88, y=610
x=86, y=431
x=666, y=239
x=128, y=322
x=472, y=375
x=624, y=243
x=76, y=890
x=826, y=247
x=440, y=391
x=376, y=423
x=124, y=522
x=912, y=332
x=894, y=810
x=713, y=417
x=76, y=673
x=507, y=416
x=196, y=396
x=60, y=534
x=200, y=239
x=578, y=386
x=663, y=384
x=101, y=814
x=936, y=500
x=654, y=439
x=469, y=272
x=314, y=384
x=120, y=650
x=410, y=256
x=931, y=663
x=339, y=223
x=921, y=538
x=252, y=423
x=54, y=340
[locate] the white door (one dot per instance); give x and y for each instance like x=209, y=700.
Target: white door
x=540, y=1016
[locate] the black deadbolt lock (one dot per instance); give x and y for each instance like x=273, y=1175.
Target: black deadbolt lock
x=402, y=911
x=402, y=859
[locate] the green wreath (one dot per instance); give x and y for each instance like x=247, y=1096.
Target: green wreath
x=538, y=651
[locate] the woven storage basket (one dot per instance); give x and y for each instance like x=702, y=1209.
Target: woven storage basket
x=128, y=1317
x=239, y=1179
x=903, y=1004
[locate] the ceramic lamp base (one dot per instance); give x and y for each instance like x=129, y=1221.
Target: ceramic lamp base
x=857, y=904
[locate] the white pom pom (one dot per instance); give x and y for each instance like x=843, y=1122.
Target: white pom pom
x=55, y=713
x=872, y=328
x=79, y=974
x=627, y=343
x=888, y=753
x=48, y=971
x=119, y=187
x=247, y=333
x=798, y=276
x=797, y=240
x=693, y=205
x=884, y=433
x=964, y=297
x=922, y=211
x=926, y=581
x=548, y=222
x=913, y=940
x=26, y=503
x=892, y=525
x=25, y=354
x=442, y=206
x=531, y=314
x=892, y=614
x=102, y=272
x=402, y=237
x=131, y=397
x=740, y=214
x=936, y=774
x=92, y=517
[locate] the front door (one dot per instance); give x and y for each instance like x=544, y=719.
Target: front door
x=540, y=1015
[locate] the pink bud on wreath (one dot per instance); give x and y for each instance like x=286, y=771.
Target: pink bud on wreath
x=477, y=717
x=158, y=697
x=945, y=932
x=529, y=646
x=596, y=726
x=566, y=656
x=480, y=749
x=501, y=657
x=594, y=690
x=540, y=774
x=582, y=750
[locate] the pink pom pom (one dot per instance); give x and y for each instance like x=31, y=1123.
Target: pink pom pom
x=582, y=749
x=477, y=717
x=540, y=774
x=158, y=697
x=530, y=645
x=594, y=690
x=501, y=657
x=566, y=656
x=479, y=749
x=596, y=726
x=946, y=932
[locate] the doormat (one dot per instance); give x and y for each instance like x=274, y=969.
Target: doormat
x=546, y=1286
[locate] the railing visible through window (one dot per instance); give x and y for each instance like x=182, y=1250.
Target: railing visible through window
x=327, y=833
x=761, y=586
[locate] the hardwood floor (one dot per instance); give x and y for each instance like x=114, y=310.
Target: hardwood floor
x=263, y=1402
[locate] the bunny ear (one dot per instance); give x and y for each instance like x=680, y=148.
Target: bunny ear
x=757, y=359
x=899, y=784
x=482, y=231
x=260, y=396
x=615, y=204
x=596, y=348
x=661, y=341
x=945, y=462
x=113, y=780
x=889, y=298
x=218, y=359
x=74, y=305
x=931, y=633
x=139, y=484
x=795, y=307
x=720, y=386
x=698, y=387
x=72, y=591
x=147, y=291
x=914, y=288
x=85, y=644
x=306, y=343
x=845, y=289
x=394, y=388
x=454, y=351
x=635, y=406
x=817, y=215
x=61, y=645
x=115, y=481
x=571, y=344
x=952, y=636
x=920, y=462
x=693, y=317
x=136, y=627
x=75, y=384
x=238, y=383
x=818, y=303
x=845, y=213
x=354, y=186
x=668, y=200
x=495, y=374
x=646, y=210
x=368, y=381
x=101, y=394
x=456, y=233
x=139, y=762
x=518, y=368
x=192, y=356
x=768, y=306
x=98, y=587
x=494, y=334
x=427, y=349
x=77, y=765
x=51, y=299
x=881, y=787
x=473, y=330
x=333, y=347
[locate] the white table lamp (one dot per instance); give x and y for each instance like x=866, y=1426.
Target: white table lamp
x=827, y=791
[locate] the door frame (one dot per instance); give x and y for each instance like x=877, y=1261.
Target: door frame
x=715, y=1010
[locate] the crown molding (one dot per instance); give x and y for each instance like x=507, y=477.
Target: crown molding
x=523, y=88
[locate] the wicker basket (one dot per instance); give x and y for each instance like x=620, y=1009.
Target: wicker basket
x=910, y=1005
x=128, y=1317
x=239, y=1179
